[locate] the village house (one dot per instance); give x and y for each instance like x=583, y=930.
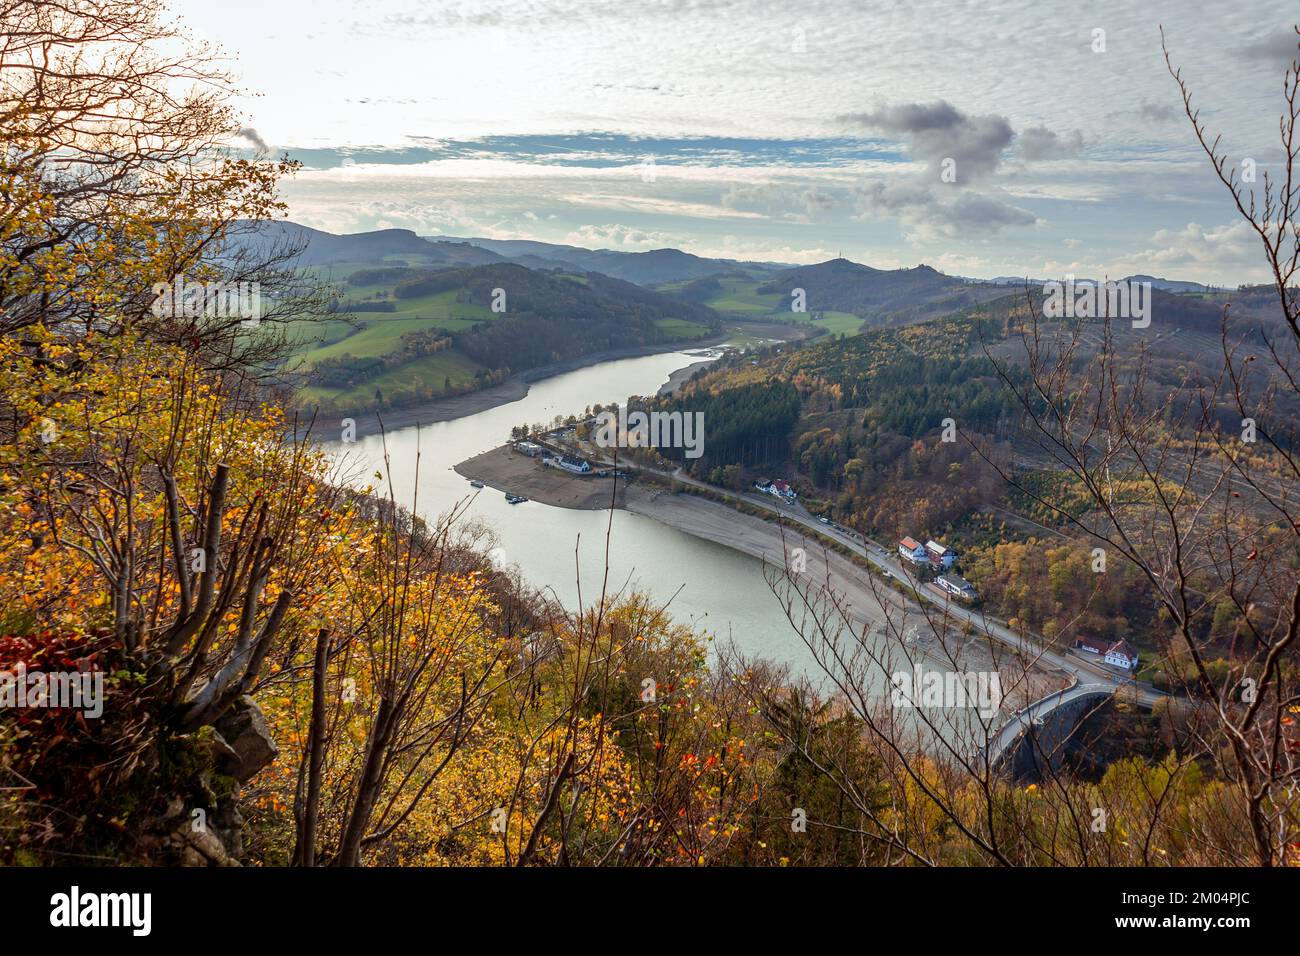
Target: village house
x=958, y=586
x=528, y=448
x=579, y=466
x=940, y=555
x=779, y=488
x=912, y=550
x=1122, y=654
x=1091, y=645
x=1116, y=653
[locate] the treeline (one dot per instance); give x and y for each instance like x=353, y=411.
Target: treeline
x=749, y=425
x=890, y=485
x=549, y=317
x=843, y=286
x=347, y=371
x=874, y=426
x=345, y=306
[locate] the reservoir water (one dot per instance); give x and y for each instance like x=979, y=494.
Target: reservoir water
x=710, y=587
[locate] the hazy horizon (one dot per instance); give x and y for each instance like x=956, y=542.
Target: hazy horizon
x=742, y=130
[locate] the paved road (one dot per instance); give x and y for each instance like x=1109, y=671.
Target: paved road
x=1032, y=646
x=1026, y=717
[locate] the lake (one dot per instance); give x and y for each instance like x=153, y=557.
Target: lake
x=707, y=586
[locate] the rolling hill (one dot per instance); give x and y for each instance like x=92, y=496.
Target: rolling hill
x=883, y=296
x=314, y=247
x=416, y=334
x=651, y=268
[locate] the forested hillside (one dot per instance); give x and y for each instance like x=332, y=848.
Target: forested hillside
x=919, y=431
x=419, y=333
x=278, y=666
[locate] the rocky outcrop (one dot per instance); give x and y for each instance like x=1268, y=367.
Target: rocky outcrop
x=249, y=746
x=203, y=826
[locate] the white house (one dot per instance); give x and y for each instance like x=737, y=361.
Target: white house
x=779, y=488
x=957, y=586
x=579, y=466
x=1122, y=654
x=1116, y=653
x=912, y=550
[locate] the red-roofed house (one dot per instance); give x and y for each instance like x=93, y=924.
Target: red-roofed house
x=913, y=550
x=1093, y=645
x=1116, y=653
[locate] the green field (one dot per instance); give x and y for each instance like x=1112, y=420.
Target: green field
x=423, y=378
x=681, y=328
x=378, y=336
x=371, y=335
x=740, y=298
x=839, y=322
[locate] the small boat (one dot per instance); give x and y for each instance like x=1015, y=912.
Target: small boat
x=515, y=499
x=475, y=483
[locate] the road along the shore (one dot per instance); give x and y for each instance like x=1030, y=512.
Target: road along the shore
x=872, y=605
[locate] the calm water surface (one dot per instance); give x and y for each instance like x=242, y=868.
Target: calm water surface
x=712, y=588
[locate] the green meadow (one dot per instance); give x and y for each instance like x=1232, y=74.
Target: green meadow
x=740, y=298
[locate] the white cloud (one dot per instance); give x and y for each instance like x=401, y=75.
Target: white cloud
x=615, y=236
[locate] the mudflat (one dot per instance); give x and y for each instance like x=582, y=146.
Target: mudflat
x=508, y=471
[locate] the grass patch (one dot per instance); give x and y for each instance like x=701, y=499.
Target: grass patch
x=377, y=337
x=425, y=378
x=839, y=322
x=680, y=328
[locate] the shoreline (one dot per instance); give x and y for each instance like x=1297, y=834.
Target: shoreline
x=516, y=387
x=513, y=389
x=680, y=377
x=870, y=603
x=506, y=470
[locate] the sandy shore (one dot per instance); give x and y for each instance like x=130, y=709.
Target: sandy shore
x=872, y=606
x=874, y=609
x=682, y=376
x=508, y=471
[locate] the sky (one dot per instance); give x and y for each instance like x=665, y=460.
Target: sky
x=982, y=138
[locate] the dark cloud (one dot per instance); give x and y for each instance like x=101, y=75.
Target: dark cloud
x=939, y=131
x=926, y=212
x=1159, y=112
x=1039, y=142
x=254, y=138
x=1279, y=47
x=788, y=201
